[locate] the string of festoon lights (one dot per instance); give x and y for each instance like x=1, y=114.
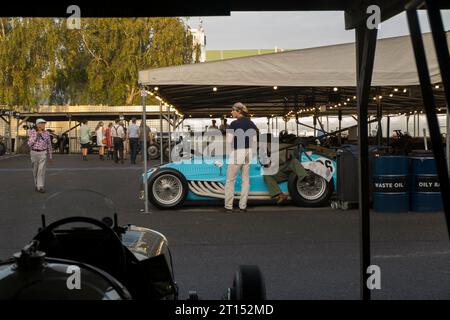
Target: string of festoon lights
x=163, y=102
x=349, y=100
x=307, y=110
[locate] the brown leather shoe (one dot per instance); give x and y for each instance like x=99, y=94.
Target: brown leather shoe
x=281, y=198
x=41, y=190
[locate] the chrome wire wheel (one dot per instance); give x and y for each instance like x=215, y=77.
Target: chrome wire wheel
x=313, y=189
x=167, y=189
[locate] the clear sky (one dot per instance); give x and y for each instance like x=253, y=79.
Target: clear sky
x=291, y=30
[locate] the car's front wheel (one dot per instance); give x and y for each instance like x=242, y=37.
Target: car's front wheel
x=167, y=188
x=315, y=192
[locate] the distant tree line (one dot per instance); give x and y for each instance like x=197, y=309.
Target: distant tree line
x=44, y=62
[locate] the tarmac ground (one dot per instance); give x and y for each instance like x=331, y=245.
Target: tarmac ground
x=304, y=253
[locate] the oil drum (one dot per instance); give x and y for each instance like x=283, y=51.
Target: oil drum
x=390, y=191
x=425, y=188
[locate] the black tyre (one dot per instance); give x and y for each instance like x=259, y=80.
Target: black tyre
x=248, y=284
x=315, y=193
x=167, y=188
x=153, y=151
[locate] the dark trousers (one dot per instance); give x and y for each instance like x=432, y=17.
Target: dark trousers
x=133, y=148
x=118, y=148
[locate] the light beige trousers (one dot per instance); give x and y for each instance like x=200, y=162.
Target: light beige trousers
x=39, y=164
x=239, y=160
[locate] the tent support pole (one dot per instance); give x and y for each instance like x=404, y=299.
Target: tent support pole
x=418, y=124
x=144, y=127
x=440, y=40
x=447, y=140
x=379, y=117
x=388, y=128
x=365, y=54
x=315, y=124
x=161, y=151
x=340, y=127
x=407, y=123
x=170, y=131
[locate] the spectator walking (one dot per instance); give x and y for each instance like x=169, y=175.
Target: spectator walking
x=133, y=138
x=118, y=135
x=241, y=137
x=40, y=143
x=85, y=139
x=101, y=140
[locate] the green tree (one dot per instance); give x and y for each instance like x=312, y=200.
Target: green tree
x=107, y=54
x=27, y=60
x=43, y=62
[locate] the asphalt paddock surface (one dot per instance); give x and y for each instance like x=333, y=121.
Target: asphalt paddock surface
x=303, y=253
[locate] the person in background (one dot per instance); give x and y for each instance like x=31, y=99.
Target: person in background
x=133, y=138
x=241, y=136
x=224, y=126
x=118, y=135
x=149, y=138
x=101, y=139
x=126, y=145
x=40, y=143
x=85, y=138
x=213, y=125
x=109, y=144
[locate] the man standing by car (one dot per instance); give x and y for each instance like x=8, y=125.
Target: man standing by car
x=118, y=134
x=40, y=143
x=241, y=138
x=133, y=138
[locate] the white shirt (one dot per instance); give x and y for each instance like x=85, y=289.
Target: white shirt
x=117, y=131
x=133, y=131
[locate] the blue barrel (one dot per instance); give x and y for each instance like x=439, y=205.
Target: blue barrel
x=390, y=192
x=425, y=187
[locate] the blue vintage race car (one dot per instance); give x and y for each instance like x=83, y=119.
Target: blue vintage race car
x=170, y=185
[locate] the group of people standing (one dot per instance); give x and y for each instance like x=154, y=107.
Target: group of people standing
x=116, y=140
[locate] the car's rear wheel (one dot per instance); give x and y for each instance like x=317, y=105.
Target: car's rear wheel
x=315, y=192
x=167, y=188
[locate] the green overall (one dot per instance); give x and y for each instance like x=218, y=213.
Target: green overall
x=288, y=164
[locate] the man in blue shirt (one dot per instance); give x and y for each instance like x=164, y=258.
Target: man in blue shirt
x=241, y=139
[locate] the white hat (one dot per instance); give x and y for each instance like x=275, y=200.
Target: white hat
x=40, y=121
